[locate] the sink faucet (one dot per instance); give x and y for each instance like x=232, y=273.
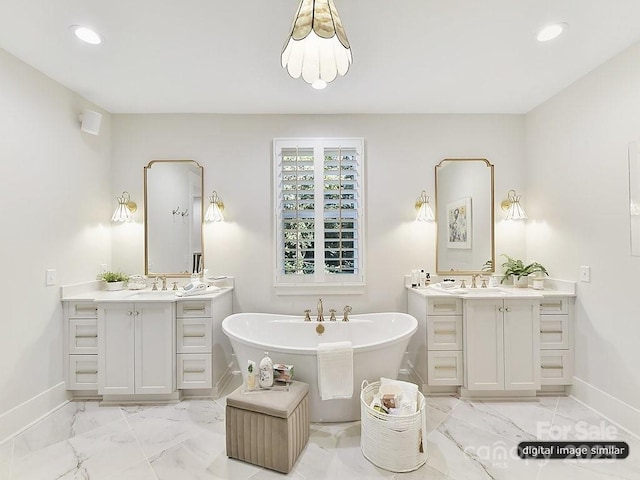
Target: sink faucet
x=320, y=316
x=164, y=282
x=473, y=280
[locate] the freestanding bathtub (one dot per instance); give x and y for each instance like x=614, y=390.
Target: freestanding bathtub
x=379, y=342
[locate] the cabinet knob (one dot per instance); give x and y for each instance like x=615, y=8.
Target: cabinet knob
x=135, y=314
x=501, y=309
x=129, y=313
x=508, y=309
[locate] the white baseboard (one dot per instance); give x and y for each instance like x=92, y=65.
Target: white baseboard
x=29, y=412
x=614, y=409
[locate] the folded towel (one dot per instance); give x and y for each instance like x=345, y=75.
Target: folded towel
x=409, y=393
x=335, y=370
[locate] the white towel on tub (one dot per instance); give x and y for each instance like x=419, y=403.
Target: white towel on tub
x=335, y=370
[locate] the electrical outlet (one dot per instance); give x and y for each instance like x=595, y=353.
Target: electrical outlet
x=52, y=277
x=585, y=273
x=103, y=267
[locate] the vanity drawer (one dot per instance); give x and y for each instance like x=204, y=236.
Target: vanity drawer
x=444, y=306
x=554, y=332
x=556, y=367
x=554, y=305
x=194, y=335
x=444, y=332
x=194, y=370
x=194, y=308
x=82, y=310
x=444, y=368
x=83, y=336
x=83, y=372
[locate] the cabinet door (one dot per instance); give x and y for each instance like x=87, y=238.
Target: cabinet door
x=154, y=348
x=116, y=348
x=521, y=345
x=483, y=331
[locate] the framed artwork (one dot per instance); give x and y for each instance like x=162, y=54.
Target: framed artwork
x=459, y=223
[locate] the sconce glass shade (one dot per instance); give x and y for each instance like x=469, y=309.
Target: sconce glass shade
x=125, y=209
x=425, y=213
x=513, y=207
x=215, y=209
x=318, y=48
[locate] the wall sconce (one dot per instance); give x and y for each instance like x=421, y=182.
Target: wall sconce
x=126, y=207
x=513, y=208
x=425, y=214
x=216, y=207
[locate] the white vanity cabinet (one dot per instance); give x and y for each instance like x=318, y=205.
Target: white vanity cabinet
x=502, y=344
x=435, y=350
x=136, y=348
x=81, y=345
x=203, y=351
x=556, y=340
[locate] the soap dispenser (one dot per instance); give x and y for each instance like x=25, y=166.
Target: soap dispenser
x=266, y=372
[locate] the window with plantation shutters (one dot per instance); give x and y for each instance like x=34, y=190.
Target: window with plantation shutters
x=319, y=211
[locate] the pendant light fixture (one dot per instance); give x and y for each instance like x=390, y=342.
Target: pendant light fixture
x=317, y=48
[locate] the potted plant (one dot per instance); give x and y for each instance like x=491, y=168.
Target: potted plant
x=519, y=271
x=114, y=280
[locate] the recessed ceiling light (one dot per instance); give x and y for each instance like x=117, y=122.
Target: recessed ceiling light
x=86, y=34
x=551, y=31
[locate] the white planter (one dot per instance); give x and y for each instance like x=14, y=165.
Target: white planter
x=113, y=286
x=521, y=282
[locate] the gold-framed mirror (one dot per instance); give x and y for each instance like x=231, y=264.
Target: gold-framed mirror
x=173, y=218
x=465, y=216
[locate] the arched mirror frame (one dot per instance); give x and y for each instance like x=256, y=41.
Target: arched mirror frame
x=442, y=223
x=146, y=218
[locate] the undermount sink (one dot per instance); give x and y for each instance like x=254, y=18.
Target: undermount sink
x=473, y=292
x=480, y=292
x=153, y=295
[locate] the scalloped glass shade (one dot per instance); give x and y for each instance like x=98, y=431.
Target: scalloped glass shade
x=318, y=48
x=515, y=211
x=122, y=213
x=425, y=213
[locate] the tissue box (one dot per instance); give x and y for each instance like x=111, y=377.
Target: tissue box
x=283, y=373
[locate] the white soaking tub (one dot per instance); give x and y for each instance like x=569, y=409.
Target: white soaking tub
x=379, y=341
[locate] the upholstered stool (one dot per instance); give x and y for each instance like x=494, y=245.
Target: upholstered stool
x=268, y=428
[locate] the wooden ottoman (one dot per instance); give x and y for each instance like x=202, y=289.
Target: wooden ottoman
x=268, y=428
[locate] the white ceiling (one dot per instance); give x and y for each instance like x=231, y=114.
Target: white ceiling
x=410, y=56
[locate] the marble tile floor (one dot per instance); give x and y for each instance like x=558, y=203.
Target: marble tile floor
x=466, y=440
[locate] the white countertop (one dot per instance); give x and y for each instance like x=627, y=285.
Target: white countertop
x=146, y=295
x=501, y=292
x=95, y=292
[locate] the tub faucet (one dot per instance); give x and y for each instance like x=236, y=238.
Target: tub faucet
x=307, y=318
x=320, y=316
x=347, y=310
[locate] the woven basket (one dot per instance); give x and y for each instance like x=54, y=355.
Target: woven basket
x=397, y=443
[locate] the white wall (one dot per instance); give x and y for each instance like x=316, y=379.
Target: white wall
x=235, y=150
x=578, y=206
x=56, y=206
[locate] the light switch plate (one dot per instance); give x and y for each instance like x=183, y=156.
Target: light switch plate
x=585, y=273
x=52, y=277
